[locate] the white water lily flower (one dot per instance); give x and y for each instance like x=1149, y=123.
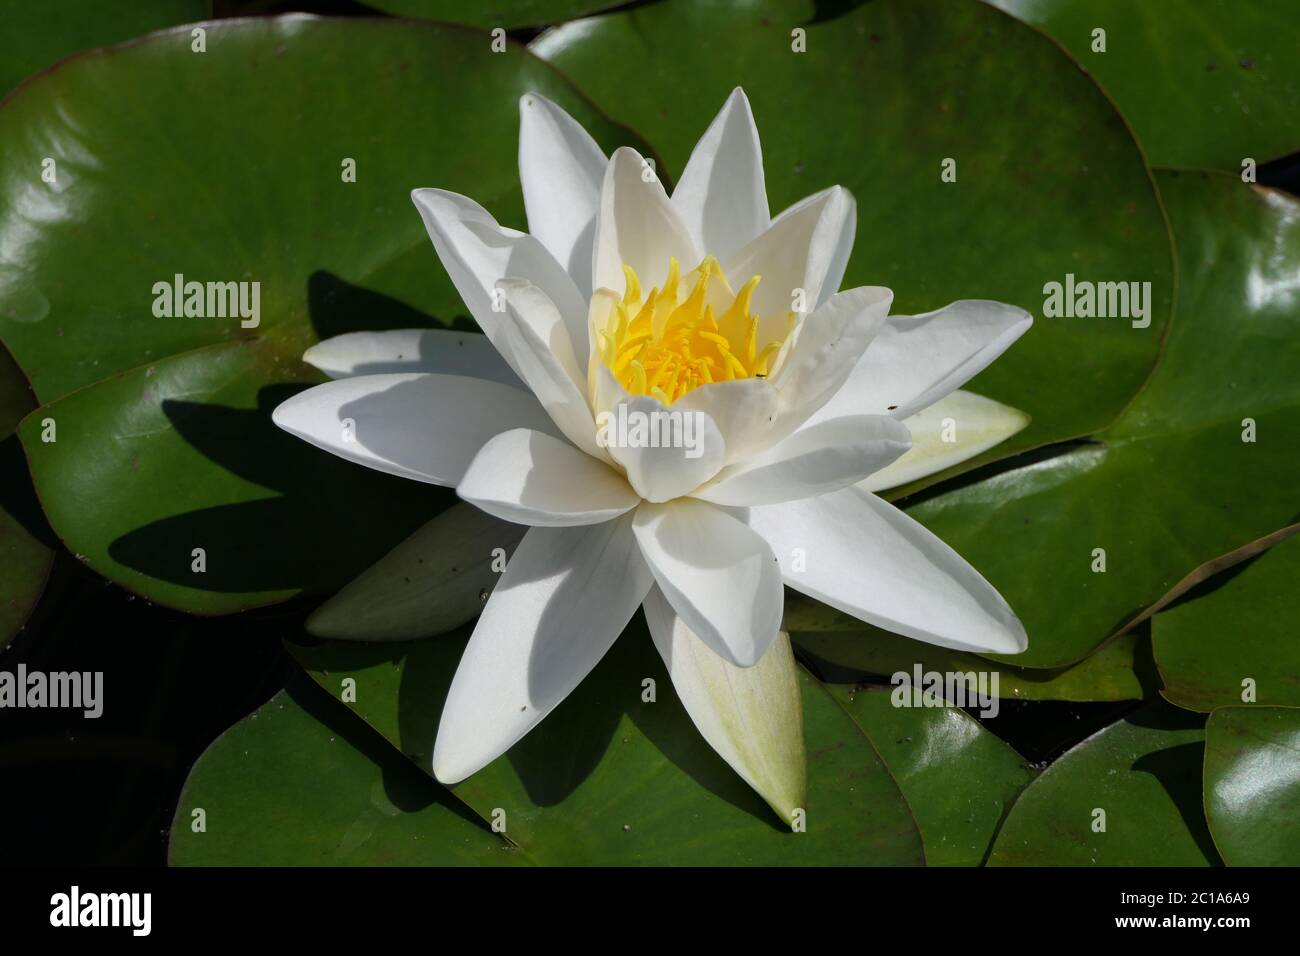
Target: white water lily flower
x=794, y=402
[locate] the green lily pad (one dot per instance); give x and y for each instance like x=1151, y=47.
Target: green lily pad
x=38, y=34
x=299, y=782
x=506, y=14
x=204, y=505
x=229, y=166
x=959, y=779
x=1139, y=778
x=1176, y=483
x=609, y=778
x=25, y=552
x=1119, y=670
x=1239, y=630
x=34, y=37
x=1252, y=784
x=882, y=96
x=1204, y=85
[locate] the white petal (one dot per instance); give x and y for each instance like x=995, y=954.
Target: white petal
x=719, y=575
x=863, y=556
x=813, y=461
x=534, y=479
x=807, y=247
x=533, y=312
x=561, y=169
x=638, y=226
x=665, y=452
x=752, y=716
x=978, y=423
x=916, y=360
x=721, y=194
x=444, y=351
x=477, y=253
x=564, y=598
x=824, y=349
x=421, y=426
x=536, y=337
x=429, y=584
x=742, y=409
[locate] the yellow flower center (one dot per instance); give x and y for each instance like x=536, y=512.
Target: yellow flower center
x=664, y=345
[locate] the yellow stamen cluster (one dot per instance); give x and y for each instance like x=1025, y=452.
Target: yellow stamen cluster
x=665, y=346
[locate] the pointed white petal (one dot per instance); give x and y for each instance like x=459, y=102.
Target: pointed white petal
x=566, y=595
x=806, y=247
x=477, y=253
x=665, y=452
x=863, y=556
x=978, y=423
x=813, y=461
x=534, y=479
x=536, y=337
x=443, y=351
x=752, y=716
x=638, y=226
x=719, y=575
x=429, y=584
x=721, y=194
x=561, y=169
x=823, y=351
x=420, y=426
x=916, y=360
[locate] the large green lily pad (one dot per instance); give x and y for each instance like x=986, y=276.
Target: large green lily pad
x=1237, y=638
x=609, y=778
x=1139, y=778
x=958, y=778
x=882, y=96
x=25, y=553
x=1252, y=784
x=300, y=782
x=229, y=166
x=1174, y=485
x=35, y=35
x=1205, y=84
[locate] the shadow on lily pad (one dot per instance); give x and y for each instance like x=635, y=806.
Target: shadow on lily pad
x=320, y=521
x=271, y=512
